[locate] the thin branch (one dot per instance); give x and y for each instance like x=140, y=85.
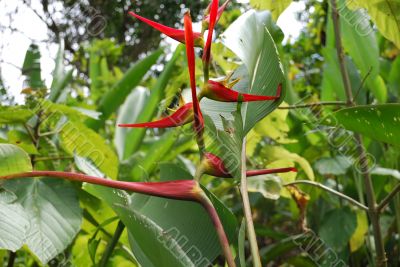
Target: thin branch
x=362, y=84
x=11, y=258
x=381, y=259
x=388, y=198
x=328, y=103
x=247, y=211
x=332, y=191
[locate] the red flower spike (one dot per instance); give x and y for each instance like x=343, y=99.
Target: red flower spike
x=212, y=21
x=218, y=92
x=180, y=117
x=198, y=117
x=178, y=35
x=213, y=165
x=219, y=13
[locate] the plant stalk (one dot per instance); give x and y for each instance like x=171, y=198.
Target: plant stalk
x=11, y=258
x=373, y=212
x=251, y=233
x=112, y=244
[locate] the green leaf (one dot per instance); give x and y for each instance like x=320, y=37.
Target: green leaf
x=116, y=95
x=75, y=137
x=61, y=78
x=380, y=122
x=337, y=240
x=251, y=41
x=168, y=232
x=335, y=166
x=16, y=114
x=128, y=113
x=385, y=14
x=268, y=185
x=23, y=140
x=52, y=208
x=13, y=160
x=31, y=67
x=276, y=7
x=14, y=222
x=157, y=93
x=226, y=143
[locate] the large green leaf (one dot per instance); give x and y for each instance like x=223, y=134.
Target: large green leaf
x=250, y=39
x=14, y=222
x=226, y=143
x=116, y=95
x=128, y=113
x=31, y=67
x=157, y=93
x=276, y=7
x=13, y=160
x=385, y=14
x=53, y=211
x=380, y=122
x=14, y=114
x=337, y=240
x=167, y=232
x=76, y=138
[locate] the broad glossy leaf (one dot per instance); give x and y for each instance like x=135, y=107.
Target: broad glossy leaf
x=385, y=14
x=117, y=95
x=250, y=39
x=14, y=222
x=167, y=232
x=52, y=208
x=13, y=160
x=128, y=113
x=380, y=122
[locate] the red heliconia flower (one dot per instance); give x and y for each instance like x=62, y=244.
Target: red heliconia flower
x=212, y=21
x=180, y=117
x=213, y=165
x=219, y=13
x=219, y=92
x=178, y=35
x=198, y=116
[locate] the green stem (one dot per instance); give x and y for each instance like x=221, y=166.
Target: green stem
x=330, y=190
x=247, y=211
x=381, y=260
x=112, y=244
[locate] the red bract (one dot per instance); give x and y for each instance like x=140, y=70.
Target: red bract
x=212, y=21
x=213, y=165
x=198, y=117
x=178, y=35
x=180, y=117
x=218, y=92
x=220, y=11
